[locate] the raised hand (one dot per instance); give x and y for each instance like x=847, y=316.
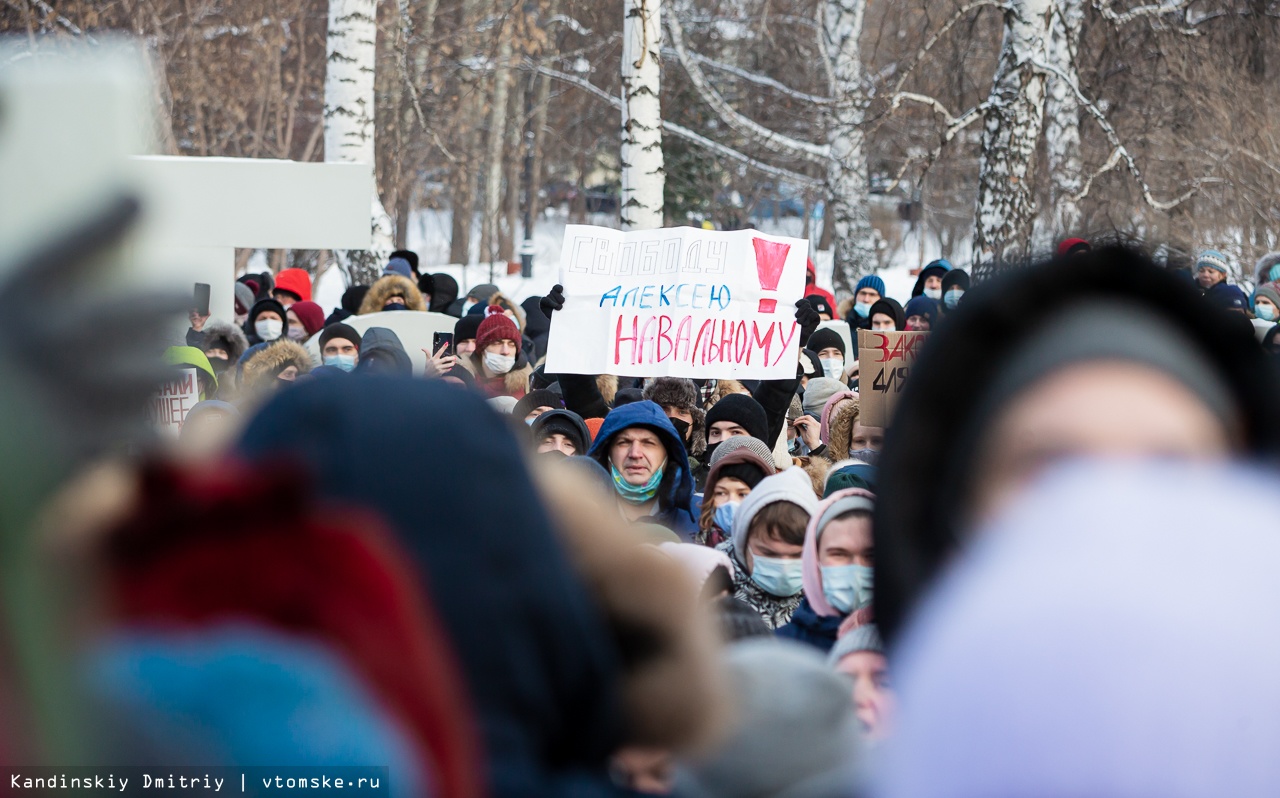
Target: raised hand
x=806, y=317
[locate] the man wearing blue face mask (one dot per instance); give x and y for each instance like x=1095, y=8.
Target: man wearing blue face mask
x=340, y=346
x=646, y=460
x=766, y=543
x=837, y=565
x=870, y=290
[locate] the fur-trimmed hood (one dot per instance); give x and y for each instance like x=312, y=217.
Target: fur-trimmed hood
x=220, y=334
x=1263, y=266
x=261, y=369
x=840, y=432
x=389, y=286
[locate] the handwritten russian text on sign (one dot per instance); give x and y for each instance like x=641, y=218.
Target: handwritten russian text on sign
x=169, y=408
x=885, y=360
x=679, y=302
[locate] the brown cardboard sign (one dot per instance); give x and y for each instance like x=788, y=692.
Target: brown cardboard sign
x=885, y=360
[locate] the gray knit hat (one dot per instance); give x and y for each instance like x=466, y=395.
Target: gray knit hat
x=740, y=442
x=244, y=296
x=862, y=638
x=795, y=736
x=818, y=391
x=791, y=485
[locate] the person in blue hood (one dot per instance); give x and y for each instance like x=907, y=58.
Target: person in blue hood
x=645, y=458
x=541, y=670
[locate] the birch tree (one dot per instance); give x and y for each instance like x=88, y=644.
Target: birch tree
x=1012, y=124
x=842, y=157
x=351, y=49
x=848, y=182
x=643, y=177
x=1062, y=122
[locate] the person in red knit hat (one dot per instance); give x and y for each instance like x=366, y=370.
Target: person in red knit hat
x=292, y=285
x=305, y=320
x=500, y=367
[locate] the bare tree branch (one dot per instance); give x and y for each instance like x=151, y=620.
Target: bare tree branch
x=960, y=14
x=47, y=11
x=759, y=80
x=684, y=132
x=1120, y=150
x=1154, y=9
x=1107, y=166
x=772, y=140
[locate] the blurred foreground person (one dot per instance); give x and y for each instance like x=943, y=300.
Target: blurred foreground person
x=1119, y=360
x=540, y=667
x=671, y=686
x=1101, y=647
x=247, y=624
x=859, y=655
x=794, y=733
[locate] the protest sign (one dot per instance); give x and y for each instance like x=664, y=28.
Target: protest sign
x=678, y=302
x=168, y=409
x=885, y=360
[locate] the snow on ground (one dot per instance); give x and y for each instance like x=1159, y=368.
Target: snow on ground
x=430, y=230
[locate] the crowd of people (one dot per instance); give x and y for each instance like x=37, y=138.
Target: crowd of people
x=497, y=580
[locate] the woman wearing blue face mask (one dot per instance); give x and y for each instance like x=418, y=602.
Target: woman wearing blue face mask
x=737, y=467
x=765, y=546
x=837, y=565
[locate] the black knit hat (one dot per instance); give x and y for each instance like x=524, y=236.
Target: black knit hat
x=672, y=392
x=626, y=396
x=353, y=297
x=408, y=255
x=562, y=422
x=466, y=328
x=533, y=400
x=822, y=339
x=820, y=304
x=746, y=473
x=956, y=278
x=743, y=411
x=339, y=330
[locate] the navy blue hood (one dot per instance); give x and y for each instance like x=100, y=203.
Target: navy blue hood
x=649, y=415
x=446, y=473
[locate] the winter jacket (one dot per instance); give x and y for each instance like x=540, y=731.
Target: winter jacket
x=930, y=445
x=675, y=496
x=807, y=626
x=774, y=611
x=539, y=662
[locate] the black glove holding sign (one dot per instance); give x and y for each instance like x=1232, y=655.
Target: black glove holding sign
x=553, y=301
x=806, y=317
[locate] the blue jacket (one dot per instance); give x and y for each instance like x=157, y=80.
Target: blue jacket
x=675, y=498
x=809, y=627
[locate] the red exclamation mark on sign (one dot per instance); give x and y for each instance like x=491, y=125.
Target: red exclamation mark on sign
x=770, y=258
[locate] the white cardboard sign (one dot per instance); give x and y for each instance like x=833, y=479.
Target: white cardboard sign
x=168, y=409
x=678, y=302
